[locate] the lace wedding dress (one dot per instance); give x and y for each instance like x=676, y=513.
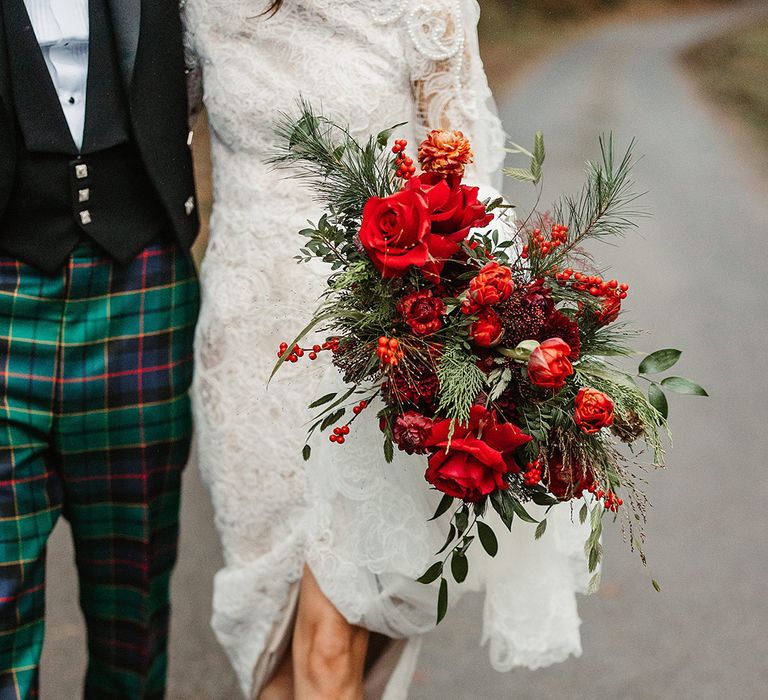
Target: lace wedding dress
x=359, y=524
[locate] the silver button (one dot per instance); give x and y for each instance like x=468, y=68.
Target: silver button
x=190, y=138
x=84, y=195
x=189, y=206
x=81, y=171
x=85, y=217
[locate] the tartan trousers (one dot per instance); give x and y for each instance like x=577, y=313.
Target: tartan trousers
x=95, y=425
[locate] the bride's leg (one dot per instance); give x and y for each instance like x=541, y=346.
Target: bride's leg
x=328, y=652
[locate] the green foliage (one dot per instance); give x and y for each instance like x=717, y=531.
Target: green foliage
x=461, y=381
x=533, y=173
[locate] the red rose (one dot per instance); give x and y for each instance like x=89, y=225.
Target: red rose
x=472, y=463
x=609, y=310
x=394, y=230
x=454, y=210
x=487, y=331
x=422, y=311
x=493, y=284
x=410, y=432
x=548, y=365
x=568, y=482
x=592, y=410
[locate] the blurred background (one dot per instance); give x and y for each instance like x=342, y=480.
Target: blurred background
x=689, y=80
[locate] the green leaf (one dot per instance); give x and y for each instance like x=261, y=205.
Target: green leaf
x=448, y=540
x=656, y=585
x=502, y=505
x=659, y=361
x=432, y=573
x=306, y=452
x=462, y=520
x=520, y=174
x=315, y=320
x=331, y=418
x=583, y=513
x=322, y=400
x=445, y=503
x=389, y=449
x=538, y=148
x=459, y=566
x=541, y=528
x=442, y=600
x=522, y=513
x=382, y=138
x=681, y=385
x=594, y=584
x=658, y=399
x=487, y=538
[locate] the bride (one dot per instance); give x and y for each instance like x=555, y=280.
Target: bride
x=321, y=556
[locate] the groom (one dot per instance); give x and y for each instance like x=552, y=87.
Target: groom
x=98, y=301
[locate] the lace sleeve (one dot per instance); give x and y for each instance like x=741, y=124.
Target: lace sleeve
x=450, y=86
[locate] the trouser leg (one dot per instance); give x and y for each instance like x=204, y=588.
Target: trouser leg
x=123, y=430
x=30, y=489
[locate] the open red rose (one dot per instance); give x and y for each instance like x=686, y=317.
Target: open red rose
x=567, y=482
x=609, y=310
x=548, y=365
x=422, y=311
x=493, y=284
x=411, y=431
x=472, y=463
x=592, y=410
x=394, y=231
x=487, y=331
x=454, y=210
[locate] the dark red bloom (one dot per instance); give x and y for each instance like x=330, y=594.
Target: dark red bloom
x=394, y=232
x=487, y=330
x=558, y=325
x=567, y=482
x=472, y=463
x=548, y=365
x=422, y=311
x=592, y=410
x=410, y=432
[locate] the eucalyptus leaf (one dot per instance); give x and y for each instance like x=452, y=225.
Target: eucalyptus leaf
x=487, y=538
x=658, y=400
x=659, y=361
x=681, y=385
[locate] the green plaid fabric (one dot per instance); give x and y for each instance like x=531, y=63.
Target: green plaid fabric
x=95, y=366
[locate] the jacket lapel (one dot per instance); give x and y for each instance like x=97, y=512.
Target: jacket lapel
x=126, y=20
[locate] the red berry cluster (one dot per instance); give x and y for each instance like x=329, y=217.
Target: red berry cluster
x=610, y=500
x=389, y=351
x=543, y=246
x=532, y=475
x=594, y=284
x=340, y=432
x=405, y=167
x=312, y=353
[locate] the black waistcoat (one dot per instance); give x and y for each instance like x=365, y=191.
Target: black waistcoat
x=61, y=196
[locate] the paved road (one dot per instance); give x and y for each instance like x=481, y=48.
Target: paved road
x=697, y=279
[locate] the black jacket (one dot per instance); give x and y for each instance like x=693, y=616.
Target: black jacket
x=148, y=41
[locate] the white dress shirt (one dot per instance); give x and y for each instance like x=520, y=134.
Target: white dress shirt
x=62, y=30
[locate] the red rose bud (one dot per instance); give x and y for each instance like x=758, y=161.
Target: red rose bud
x=592, y=410
x=609, y=310
x=393, y=232
x=492, y=285
x=548, y=365
x=487, y=331
x=567, y=482
x=411, y=431
x=471, y=461
x=422, y=311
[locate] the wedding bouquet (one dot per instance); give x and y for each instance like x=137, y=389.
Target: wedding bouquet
x=483, y=345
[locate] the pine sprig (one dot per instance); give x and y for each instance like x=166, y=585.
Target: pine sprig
x=461, y=381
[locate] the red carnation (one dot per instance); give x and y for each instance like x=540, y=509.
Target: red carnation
x=609, y=310
x=410, y=432
x=567, y=482
x=487, y=330
x=394, y=231
x=493, y=284
x=472, y=462
x=592, y=410
x=548, y=365
x=422, y=311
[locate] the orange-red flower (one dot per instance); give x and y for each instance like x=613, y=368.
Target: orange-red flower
x=548, y=365
x=490, y=286
x=487, y=331
x=609, y=310
x=592, y=410
x=445, y=152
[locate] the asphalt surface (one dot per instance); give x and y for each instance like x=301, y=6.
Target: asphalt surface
x=698, y=280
